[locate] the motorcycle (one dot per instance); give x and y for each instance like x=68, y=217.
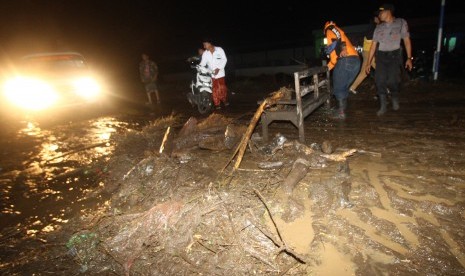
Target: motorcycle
x=201, y=88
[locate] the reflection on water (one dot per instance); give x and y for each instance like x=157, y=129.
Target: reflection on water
x=31, y=129
x=91, y=142
x=46, y=169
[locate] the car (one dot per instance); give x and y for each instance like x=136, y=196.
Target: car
x=45, y=81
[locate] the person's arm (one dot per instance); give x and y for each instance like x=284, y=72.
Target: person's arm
x=408, y=49
x=203, y=61
x=155, y=71
x=332, y=56
x=371, y=55
x=141, y=72
x=405, y=35
x=222, y=61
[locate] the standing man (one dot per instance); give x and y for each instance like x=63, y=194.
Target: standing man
x=215, y=59
x=387, y=38
x=345, y=61
x=148, y=71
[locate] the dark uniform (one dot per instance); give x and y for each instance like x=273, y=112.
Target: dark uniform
x=389, y=55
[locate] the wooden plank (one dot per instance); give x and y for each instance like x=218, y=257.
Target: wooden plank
x=311, y=71
x=313, y=105
x=316, y=84
x=300, y=119
x=310, y=88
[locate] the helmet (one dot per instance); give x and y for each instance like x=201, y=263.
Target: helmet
x=327, y=25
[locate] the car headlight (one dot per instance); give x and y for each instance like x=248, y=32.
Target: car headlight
x=30, y=93
x=87, y=88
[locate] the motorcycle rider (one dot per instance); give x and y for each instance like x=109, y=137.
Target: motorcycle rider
x=215, y=58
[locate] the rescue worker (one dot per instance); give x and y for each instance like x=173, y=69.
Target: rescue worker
x=345, y=61
x=386, y=46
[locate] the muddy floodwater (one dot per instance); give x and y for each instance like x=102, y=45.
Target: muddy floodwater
x=96, y=196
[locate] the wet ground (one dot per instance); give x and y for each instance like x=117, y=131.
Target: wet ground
x=407, y=196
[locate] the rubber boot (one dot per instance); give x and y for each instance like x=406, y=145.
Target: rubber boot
x=395, y=103
x=339, y=113
x=383, y=104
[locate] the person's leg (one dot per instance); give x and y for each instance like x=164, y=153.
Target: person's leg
x=149, y=96
x=148, y=92
x=338, y=81
x=340, y=88
x=353, y=69
x=361, y=75
x=382, y=65
x=223, y=91
x=154, y=89
x=215, y=91
x=158, y=96
x=393, y=82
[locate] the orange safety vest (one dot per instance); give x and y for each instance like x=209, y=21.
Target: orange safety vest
x=334, y=33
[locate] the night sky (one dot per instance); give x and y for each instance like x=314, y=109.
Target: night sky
x=120, y=30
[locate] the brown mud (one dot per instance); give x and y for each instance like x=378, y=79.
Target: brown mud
x=394, y=207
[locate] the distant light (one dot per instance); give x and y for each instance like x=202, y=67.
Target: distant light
x=452, y=44
x=87, y=87
x=30, y=93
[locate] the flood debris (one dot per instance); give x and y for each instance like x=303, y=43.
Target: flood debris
x=391, y=207
x=170, y=213
x=240, y=150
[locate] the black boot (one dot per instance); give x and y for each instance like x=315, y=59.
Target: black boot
x=383, y=104
x=339, y=113
x=395, y=103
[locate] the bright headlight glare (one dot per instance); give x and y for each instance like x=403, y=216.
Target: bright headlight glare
x=87, y=87
x=30, y=93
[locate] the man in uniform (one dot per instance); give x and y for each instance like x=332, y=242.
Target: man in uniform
x=387, y=38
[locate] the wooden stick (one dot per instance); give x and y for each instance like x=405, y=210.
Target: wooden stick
x=165, y=138
x=281, y=244
x=339, y=157
x=271, y=216
x=253, y=122
x=372, y=153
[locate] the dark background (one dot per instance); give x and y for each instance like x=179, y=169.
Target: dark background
x=112, y=34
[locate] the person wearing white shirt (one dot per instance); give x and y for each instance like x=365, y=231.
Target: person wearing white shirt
x=215, y=59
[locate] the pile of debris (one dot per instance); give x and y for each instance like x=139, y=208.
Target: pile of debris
x=178, y=208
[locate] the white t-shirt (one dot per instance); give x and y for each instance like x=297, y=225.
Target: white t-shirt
x=215, y=60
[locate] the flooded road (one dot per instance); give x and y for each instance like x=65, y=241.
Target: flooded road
x=48, y=172
x=407, y=180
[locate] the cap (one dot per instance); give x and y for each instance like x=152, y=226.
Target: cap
x=386, y=7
